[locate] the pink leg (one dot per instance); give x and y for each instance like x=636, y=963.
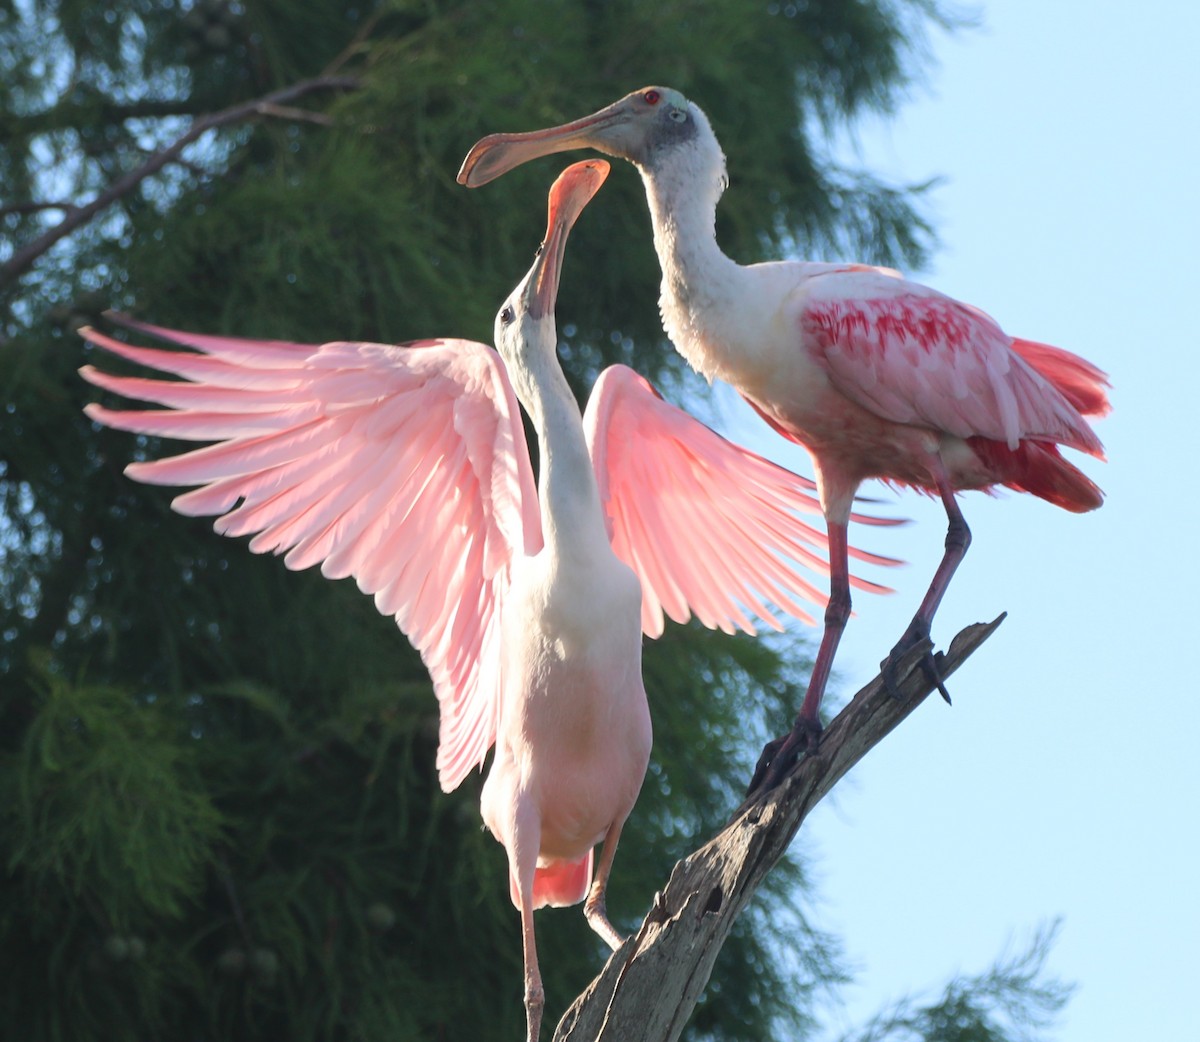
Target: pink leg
x=779, y=755
x=522, y=863
x=535, y=996
x=594, y=907
x=958, y=539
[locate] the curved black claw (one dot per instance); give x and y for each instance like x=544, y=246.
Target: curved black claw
x=780, y=754
x=890, y=666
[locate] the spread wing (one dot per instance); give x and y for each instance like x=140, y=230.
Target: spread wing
x=403, y=466
x=914, y=356
x=710, y=528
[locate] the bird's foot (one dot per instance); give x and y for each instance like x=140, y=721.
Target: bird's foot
x=596, y=913
x=780, y=754
x=889, y=668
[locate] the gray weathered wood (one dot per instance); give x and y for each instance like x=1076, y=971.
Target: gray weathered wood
x=648, y=988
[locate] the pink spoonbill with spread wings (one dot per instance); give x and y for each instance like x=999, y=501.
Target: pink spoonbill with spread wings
x=406, y=467
x=877, y=376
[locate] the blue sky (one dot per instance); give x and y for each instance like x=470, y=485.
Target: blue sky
x=1064, y=781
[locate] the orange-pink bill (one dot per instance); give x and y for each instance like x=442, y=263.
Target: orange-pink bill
x=569, y=194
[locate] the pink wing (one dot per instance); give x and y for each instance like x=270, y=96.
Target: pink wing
x=403, y=466
x=709, y=527
x=913, y=356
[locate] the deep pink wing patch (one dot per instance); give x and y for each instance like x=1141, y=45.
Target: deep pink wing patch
x=913, y=356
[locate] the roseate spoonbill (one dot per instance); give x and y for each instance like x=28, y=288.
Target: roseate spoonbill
x=876, y=376
x=407, y=468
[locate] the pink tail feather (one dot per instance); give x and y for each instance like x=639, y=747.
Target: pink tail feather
x=1038, y=468
x=559, y=884
x=1080, y=382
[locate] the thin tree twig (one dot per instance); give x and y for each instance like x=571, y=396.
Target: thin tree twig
x=296, y=115
x=648, y=988
x=24, y=258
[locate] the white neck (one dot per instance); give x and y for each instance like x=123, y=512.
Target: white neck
x=572, y=524
x=701, y=285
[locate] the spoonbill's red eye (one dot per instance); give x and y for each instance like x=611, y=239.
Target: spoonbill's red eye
x=651, y=97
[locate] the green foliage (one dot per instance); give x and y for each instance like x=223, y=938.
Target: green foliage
x=110, y=797
x=220, y=818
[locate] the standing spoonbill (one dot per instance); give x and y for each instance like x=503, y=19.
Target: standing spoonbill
x=876, y=376
x=406, y=467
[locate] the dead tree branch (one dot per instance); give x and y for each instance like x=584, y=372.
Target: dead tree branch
x=267, y=105
x=649, y=987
